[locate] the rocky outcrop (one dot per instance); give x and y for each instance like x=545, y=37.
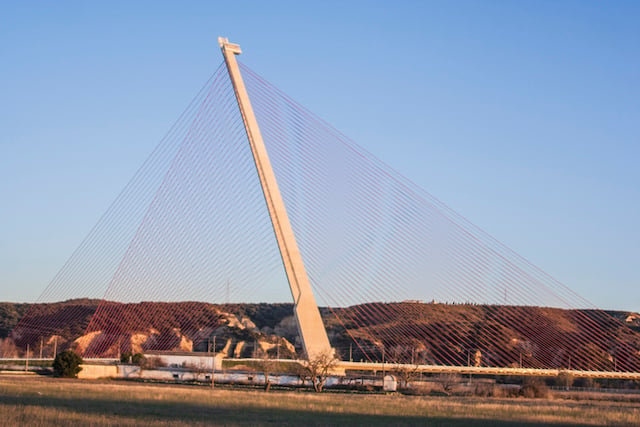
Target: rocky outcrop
x=237, y=336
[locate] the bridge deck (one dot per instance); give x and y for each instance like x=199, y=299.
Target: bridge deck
x=484, y=370
x=344, y=366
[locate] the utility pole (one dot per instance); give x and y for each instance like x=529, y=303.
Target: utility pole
x=41, y=343
x=26, y=364
x=469, y=364
x=213, y=364
x=312, y=330
x=55, y=346
x=520, y=360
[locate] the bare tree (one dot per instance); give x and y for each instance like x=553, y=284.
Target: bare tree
x=8, y=348
x=300, y=371
x=198, y=368
x=448, y=381
x=406, y=374
x=267, y=366
x=564, y=379
x=153, y=362
x=145, y=363
x=140, y=360
x=317, y=370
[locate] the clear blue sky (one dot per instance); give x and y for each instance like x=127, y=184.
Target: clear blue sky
x=522, y=116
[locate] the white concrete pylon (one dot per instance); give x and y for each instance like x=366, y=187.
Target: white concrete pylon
x=310, y=326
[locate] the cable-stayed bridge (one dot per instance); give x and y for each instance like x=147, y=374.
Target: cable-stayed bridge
x=201, y=222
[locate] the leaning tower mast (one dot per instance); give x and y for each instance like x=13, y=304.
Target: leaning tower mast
x=310, y=326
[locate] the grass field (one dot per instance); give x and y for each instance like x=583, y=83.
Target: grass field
x=28, y=401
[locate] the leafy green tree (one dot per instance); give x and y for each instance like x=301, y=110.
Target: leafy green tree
x=67, y=364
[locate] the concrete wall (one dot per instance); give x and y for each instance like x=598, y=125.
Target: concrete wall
x=180, y=360
x=98, y=371
x=178, y=374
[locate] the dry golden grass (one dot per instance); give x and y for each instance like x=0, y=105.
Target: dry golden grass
x=54, y=402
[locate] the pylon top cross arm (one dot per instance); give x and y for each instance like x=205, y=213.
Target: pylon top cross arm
x=231, y=47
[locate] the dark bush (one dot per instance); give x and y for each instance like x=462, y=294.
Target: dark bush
x=587, y=382
x=138, y=359
x=153, y=363
x=67, y=364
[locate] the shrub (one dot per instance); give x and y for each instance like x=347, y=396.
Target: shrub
x=488, y=390
x=587, y=382
x=8, y=348
x=138, y=359
x=534, y=388
x=564, y=379
x=417, y=390
x=152, y=362
x=125, y=357
x=67, y=364
x=448, y=382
